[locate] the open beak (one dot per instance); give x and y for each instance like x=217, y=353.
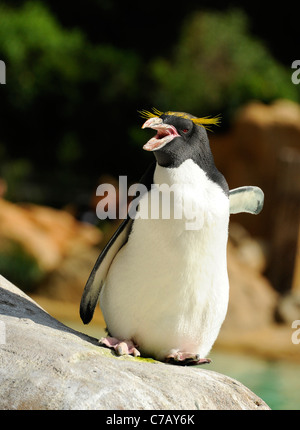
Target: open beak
x=165, y=133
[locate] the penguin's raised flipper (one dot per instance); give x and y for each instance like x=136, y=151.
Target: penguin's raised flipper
x=246, y=199
x=98, y=275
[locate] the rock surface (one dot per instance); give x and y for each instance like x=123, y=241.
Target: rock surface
x=46, y=365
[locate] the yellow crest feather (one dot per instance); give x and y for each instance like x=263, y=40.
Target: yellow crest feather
x=205, y=122
x=147, y=114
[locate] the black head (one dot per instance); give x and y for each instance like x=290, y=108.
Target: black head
x=180, y=137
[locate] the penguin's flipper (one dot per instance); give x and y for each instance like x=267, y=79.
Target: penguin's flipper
x=98, y=275
x=246, y=199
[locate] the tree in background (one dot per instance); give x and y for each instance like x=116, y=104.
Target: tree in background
x=217, y=66
x=69, y=108
x=64, y=100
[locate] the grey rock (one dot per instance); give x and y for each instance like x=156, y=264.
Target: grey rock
x=46, y=365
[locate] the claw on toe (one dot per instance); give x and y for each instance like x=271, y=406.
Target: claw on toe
x=186, y=359
x=121, y=347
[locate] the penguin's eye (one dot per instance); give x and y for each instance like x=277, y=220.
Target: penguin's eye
x=185, y=130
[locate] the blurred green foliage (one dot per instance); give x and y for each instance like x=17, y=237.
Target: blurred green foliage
x=61, y=98
x=69, y=107
x=44, y=58
x=19, y=267
x=218, y=65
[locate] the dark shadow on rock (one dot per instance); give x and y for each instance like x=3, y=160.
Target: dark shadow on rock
x=14, y=305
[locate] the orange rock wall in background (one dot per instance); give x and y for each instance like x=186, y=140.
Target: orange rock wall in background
x=263, y=148
x=46, y=234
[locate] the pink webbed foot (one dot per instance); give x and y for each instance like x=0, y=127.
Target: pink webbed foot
x=121, y=347
x=186, y=359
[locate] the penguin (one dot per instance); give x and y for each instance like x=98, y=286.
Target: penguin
x=163, y=288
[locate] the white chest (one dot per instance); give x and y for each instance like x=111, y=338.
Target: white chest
x=170, y=280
